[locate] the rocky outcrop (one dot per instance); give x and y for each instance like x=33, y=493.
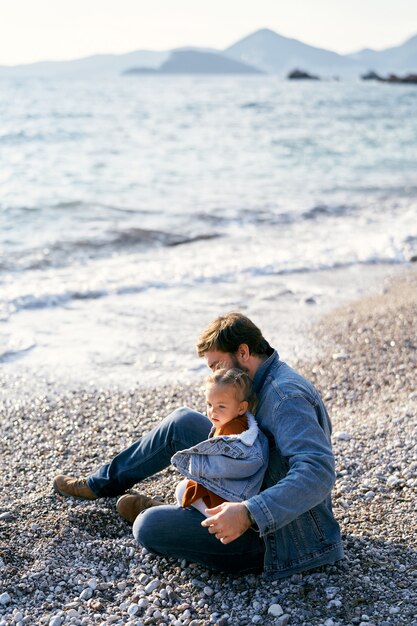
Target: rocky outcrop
x=301, y=75
x=409, y=79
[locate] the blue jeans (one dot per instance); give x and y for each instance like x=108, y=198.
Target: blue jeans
x=171, y=530
x=152, y=453
x=176, y=532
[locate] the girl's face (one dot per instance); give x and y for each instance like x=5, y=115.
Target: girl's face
x=223, y=405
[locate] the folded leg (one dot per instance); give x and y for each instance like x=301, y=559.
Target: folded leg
x=173, y=531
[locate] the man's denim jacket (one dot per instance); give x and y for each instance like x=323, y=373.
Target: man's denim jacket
x=294, y=512
x=231, y=466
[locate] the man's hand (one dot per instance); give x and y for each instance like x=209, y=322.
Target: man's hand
x=228, y=521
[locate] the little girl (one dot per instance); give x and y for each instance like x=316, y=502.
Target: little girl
x=231, y=463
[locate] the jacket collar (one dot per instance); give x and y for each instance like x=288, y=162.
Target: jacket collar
x=248, y=437
x=262, y=371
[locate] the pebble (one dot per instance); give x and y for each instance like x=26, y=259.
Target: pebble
x=275, y=610
x=55, y=621
x=154, y=584
x=208, y=591
x=86, y=594
x=5, y=598
x=394, y=481
x=92, y=583
x=6, y=516
x=343, y=436
x=143, y=579
x=331, y=592
x=133, y=609
x=334, y=604
x=143, y=603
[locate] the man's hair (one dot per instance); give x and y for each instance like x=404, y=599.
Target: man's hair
x=227, y=332
x=236, y=378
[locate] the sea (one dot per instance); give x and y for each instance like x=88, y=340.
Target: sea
x=136, y=209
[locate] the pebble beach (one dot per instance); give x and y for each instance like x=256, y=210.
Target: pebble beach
x=67, y=561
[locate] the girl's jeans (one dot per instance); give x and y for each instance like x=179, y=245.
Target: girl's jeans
x=171, y=530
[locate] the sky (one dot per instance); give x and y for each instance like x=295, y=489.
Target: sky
x=34, y=30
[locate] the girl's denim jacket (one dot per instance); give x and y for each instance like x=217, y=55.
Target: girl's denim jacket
x=293, y=511
x=231, y=466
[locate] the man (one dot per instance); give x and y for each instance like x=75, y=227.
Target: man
x=289, y=526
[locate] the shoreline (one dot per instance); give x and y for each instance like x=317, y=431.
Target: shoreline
x=68, y=356
x=76, y=562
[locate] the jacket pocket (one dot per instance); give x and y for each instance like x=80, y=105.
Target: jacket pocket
x=318, y=531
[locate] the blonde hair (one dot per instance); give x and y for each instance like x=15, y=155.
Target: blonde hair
x=239, y=380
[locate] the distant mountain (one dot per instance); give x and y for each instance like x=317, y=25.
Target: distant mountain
x=401, y=58
x=196, y=62
x=276, y=54
x=262, y=51
x=99, y=65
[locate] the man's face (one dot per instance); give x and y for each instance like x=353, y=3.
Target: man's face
x=216, y=359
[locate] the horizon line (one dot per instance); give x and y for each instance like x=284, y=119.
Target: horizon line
x=98, y=54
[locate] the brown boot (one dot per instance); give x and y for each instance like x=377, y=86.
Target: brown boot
x=129, y=506
x=71, y=486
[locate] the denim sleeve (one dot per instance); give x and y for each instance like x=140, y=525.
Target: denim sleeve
x=219, y=465
x=311, y=474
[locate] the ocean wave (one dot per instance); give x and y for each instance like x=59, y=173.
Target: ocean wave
x=58, y=300
x=88, y=209
x=54, y=300
x=63, y=253
x=324, y=210
x=65, y=297
x=267, y=215
x=16, y=347
x=257, y=105
x=323, y=267
x=55, y=136
x=60, y=115
x=81, y=205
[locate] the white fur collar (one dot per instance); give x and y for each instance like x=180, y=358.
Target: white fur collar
x=248, y=437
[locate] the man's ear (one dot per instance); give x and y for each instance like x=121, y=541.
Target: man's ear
x=243, y=352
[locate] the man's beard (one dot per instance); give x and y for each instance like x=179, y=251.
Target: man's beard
x=237, y=364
